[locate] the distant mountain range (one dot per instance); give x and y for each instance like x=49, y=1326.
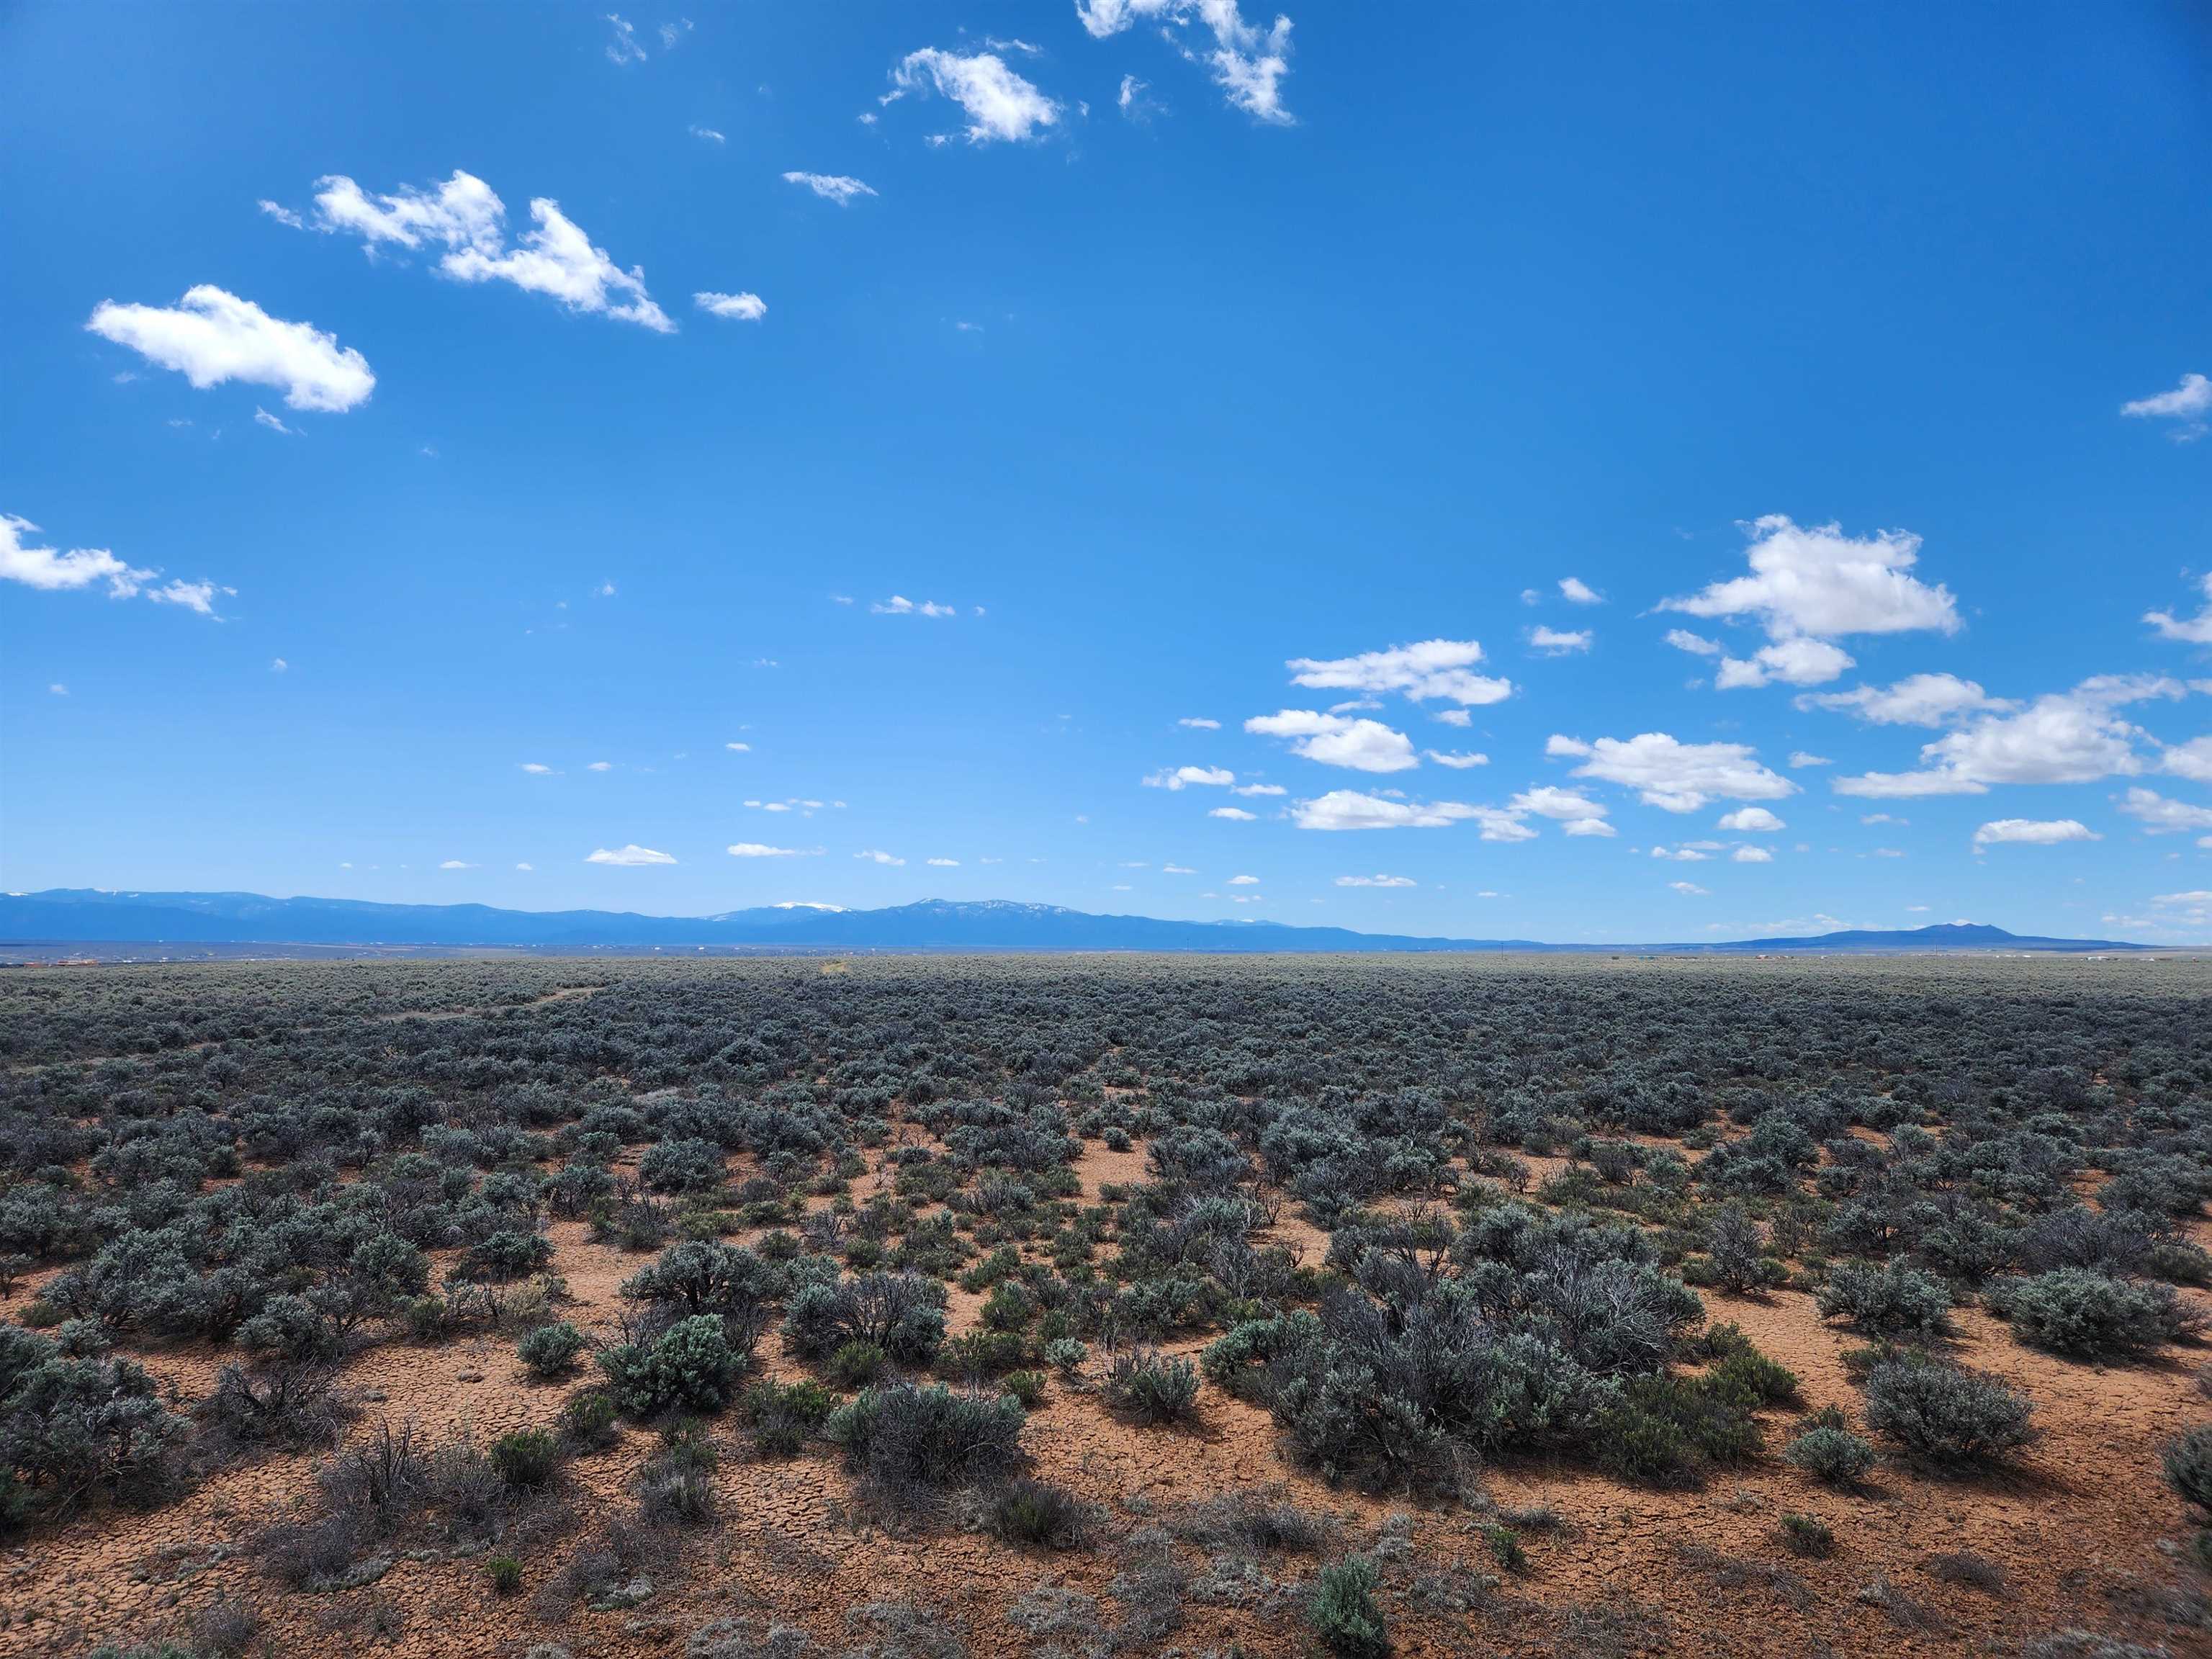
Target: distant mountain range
x=87, y=916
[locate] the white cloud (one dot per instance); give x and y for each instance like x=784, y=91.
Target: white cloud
x=2189, y=630
x=2191, y=760
x=944, y=864
x=1458, y=763
x=1235, y=814
x=2196, y=896
x=1800, y=757
x=1675, y=776
x=57, y=690
x=2162, y=816
x=899, y=605
x=2070, y=736
x=1794, y=662
x=1455, y=717
x=1376, y=881
x=1243, y=881
x=708, y=135
x=738, y=307
x=527, y=868
x=631, y=855
x=2034, y=832
x=263, y=417
x=465, y=216
x=537, y=769
x=1176, y=870
x=1259, y=789
x=1248, y=63
x=1917, y=700
x=1578, y=592
x=1183, y=777
x=210, y=335
x=1348, y=809
x=829, y=186
x=1431, y=668
x=1126, y=100
x=457, y=864
x=1815, y=582
x=1559, y=642
x=999, y=104
x=876, y=855
x=756, y=849
x=1363, y=745
x=1690, y=889
x=1696, y=644
x=622, y=45
x=1751, y=820
x=1752, y=855
x=2189, y=402
x=1550, y=801
x=1200, y=723
x=738, y=748
x=193, y=596
x=52, y=572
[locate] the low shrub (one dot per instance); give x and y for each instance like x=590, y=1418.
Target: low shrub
x=693, y=1367
x=505, y=1573
x=587, y=1419
x=289, y=1407
x=1149, y=1387
x=1343, y=1614
x=1028, y=1386
x=2186, y=1464
x=1943, y=1415
x=1890, y=1299
x=551, y=1351
x=2085, y=1314
x=1671, y=1430
x=855, y=1364
x=1256, y=1520
x=526, y=1459
x=907, y=1441
x=1826, y=1449
x=785, y=1416
x=1038, y=1512
x=1808, y=1535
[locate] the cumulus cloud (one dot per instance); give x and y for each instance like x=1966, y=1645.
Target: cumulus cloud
x=2163, y=816
x=1807, y=585
x=740, y=307
x=1690, y=889
x=1248, y=63
x=1431, y=668
x=2188, y=403
x=457, y=864
x=1363, y=746
x=1234, y=814
x=1455, y=717
x=1672, y=775
x=537, y=769
x=465, y=217
x=1559, y=642
x=1576, y=591
x=899, y=605
x=831, y=186
x=632, y=854
x=1348, y=809
x=1752, y=855
x=1001, y=105
x=1793, y=662
x=1752, y=819
x=2191, y=760
x=2069, y=737
x=2033, y=832
x=1376, y=881
x=1185, y=777
x=1696, y=644
x=757, y=849
x=1801, y=757
x=1458, y=763
x=876, y=855
x=1917, y=700
x=1243, y=881
x=210, y=335
x=51, y=571
x=2189, y=630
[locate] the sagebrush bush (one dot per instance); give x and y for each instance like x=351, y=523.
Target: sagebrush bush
x=2186, y=1464
x=692, y=1367
x=1889, y=1299
x=1342, y=1611
x=1148, y=1387
x=1826, y=1449
x=549, y=1351
x=785, y=1416
x=1038, y=1512
x=2084, y=1315
x=526, y=1459
x=907, y=1441
x=1945, y=1415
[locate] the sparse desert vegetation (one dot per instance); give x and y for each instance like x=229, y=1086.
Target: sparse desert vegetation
x=1106, y=1305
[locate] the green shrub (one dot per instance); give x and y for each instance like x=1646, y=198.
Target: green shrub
x=1028, y=1386
x=1808, y=1536
x=2087, y=1316
x=785, y=1416
x=1149, y=1387
x=2186, y=1463
x=1038, y=1512
x=587, y=1419
x=1888, y=1300
x=1506, y=1547
x=526, y=1459
x=505, y=1573
x=907, y=1441
x=1943, y=1415
x=1670, y=1430
x=1826, y=1449
x=1066, y=1355
x=855, y=1364
x=549, y=1351
x=1342, y=1611
x=693, y=1366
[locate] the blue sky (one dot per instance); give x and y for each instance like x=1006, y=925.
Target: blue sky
x=399, y=539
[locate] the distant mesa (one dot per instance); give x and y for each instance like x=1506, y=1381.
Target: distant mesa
x=87, y=915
